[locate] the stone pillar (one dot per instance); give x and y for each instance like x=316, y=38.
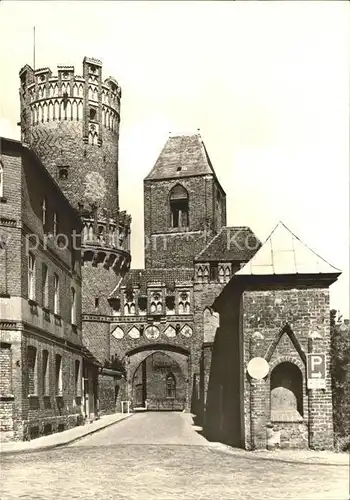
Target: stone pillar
x=320, y=402
x=258, y=416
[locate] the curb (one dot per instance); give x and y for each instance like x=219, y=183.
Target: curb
x=65, y=443
x=275, y=458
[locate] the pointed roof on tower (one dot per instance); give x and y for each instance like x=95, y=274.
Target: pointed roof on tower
x=182, y=156
x=283, y=253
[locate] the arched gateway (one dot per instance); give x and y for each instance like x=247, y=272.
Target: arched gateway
x=158, y=379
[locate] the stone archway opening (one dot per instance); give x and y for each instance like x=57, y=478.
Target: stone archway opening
x=159, y=384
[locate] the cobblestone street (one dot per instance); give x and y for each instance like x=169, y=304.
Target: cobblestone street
x=161, y=456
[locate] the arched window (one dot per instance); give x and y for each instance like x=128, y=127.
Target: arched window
x=184, y=302
x=32, y=370
x=45, y=285
x=286, y=392
x=31, y=276
x=58, y=375
x=56, y=294
x=77, y=373
x=73, y=307
x=1, y=180
x=45, y=382
x=179, y=207
x=101, y=233
x=170, y=386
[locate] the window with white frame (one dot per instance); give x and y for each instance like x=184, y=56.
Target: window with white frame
x=45, y=286
x=31, y=276
x=73, y=307
x=1, y=180
x=56, y=294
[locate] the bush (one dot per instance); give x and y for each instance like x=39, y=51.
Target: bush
x=342, y=443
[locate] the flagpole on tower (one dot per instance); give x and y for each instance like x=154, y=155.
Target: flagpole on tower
x=34, y=49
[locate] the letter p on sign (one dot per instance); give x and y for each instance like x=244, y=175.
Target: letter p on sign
x=316, y=371
x=316, y=362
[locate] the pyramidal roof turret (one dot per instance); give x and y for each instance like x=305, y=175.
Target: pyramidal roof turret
x=182, y=156
x=283, y=253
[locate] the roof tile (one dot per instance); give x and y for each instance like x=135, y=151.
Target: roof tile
x=182, y=156
x=230, y=244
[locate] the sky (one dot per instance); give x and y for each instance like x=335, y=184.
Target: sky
x=267, y=84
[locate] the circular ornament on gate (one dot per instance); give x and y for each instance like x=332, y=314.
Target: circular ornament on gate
x=186, y=331
x=258, y=368
x=152, y=332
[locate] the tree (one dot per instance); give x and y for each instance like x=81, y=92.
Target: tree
x=340, y=358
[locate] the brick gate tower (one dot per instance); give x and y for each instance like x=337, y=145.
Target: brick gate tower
x=72, y=123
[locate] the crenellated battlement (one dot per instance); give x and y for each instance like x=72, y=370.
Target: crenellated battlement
x=72, y=122
x=46, y=97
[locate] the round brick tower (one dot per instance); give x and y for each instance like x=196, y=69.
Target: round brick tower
x=72, y=123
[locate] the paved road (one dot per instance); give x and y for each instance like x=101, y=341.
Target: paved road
x=160, y=456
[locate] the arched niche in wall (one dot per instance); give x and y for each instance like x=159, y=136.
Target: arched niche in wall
x=286, y=392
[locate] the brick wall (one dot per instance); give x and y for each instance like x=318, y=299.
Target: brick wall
x=278, y=325
x=10, y=226
x=5, y=369
x=61, y=144
x=59, y=141
x=47, y=406
x=306, y=311
x=28, y=411
x=167, y=247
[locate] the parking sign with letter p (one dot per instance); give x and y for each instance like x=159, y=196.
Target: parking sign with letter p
x=316, y=371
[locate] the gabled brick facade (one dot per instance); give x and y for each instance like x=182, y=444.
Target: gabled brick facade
x=189, y=257
x=274, y=311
